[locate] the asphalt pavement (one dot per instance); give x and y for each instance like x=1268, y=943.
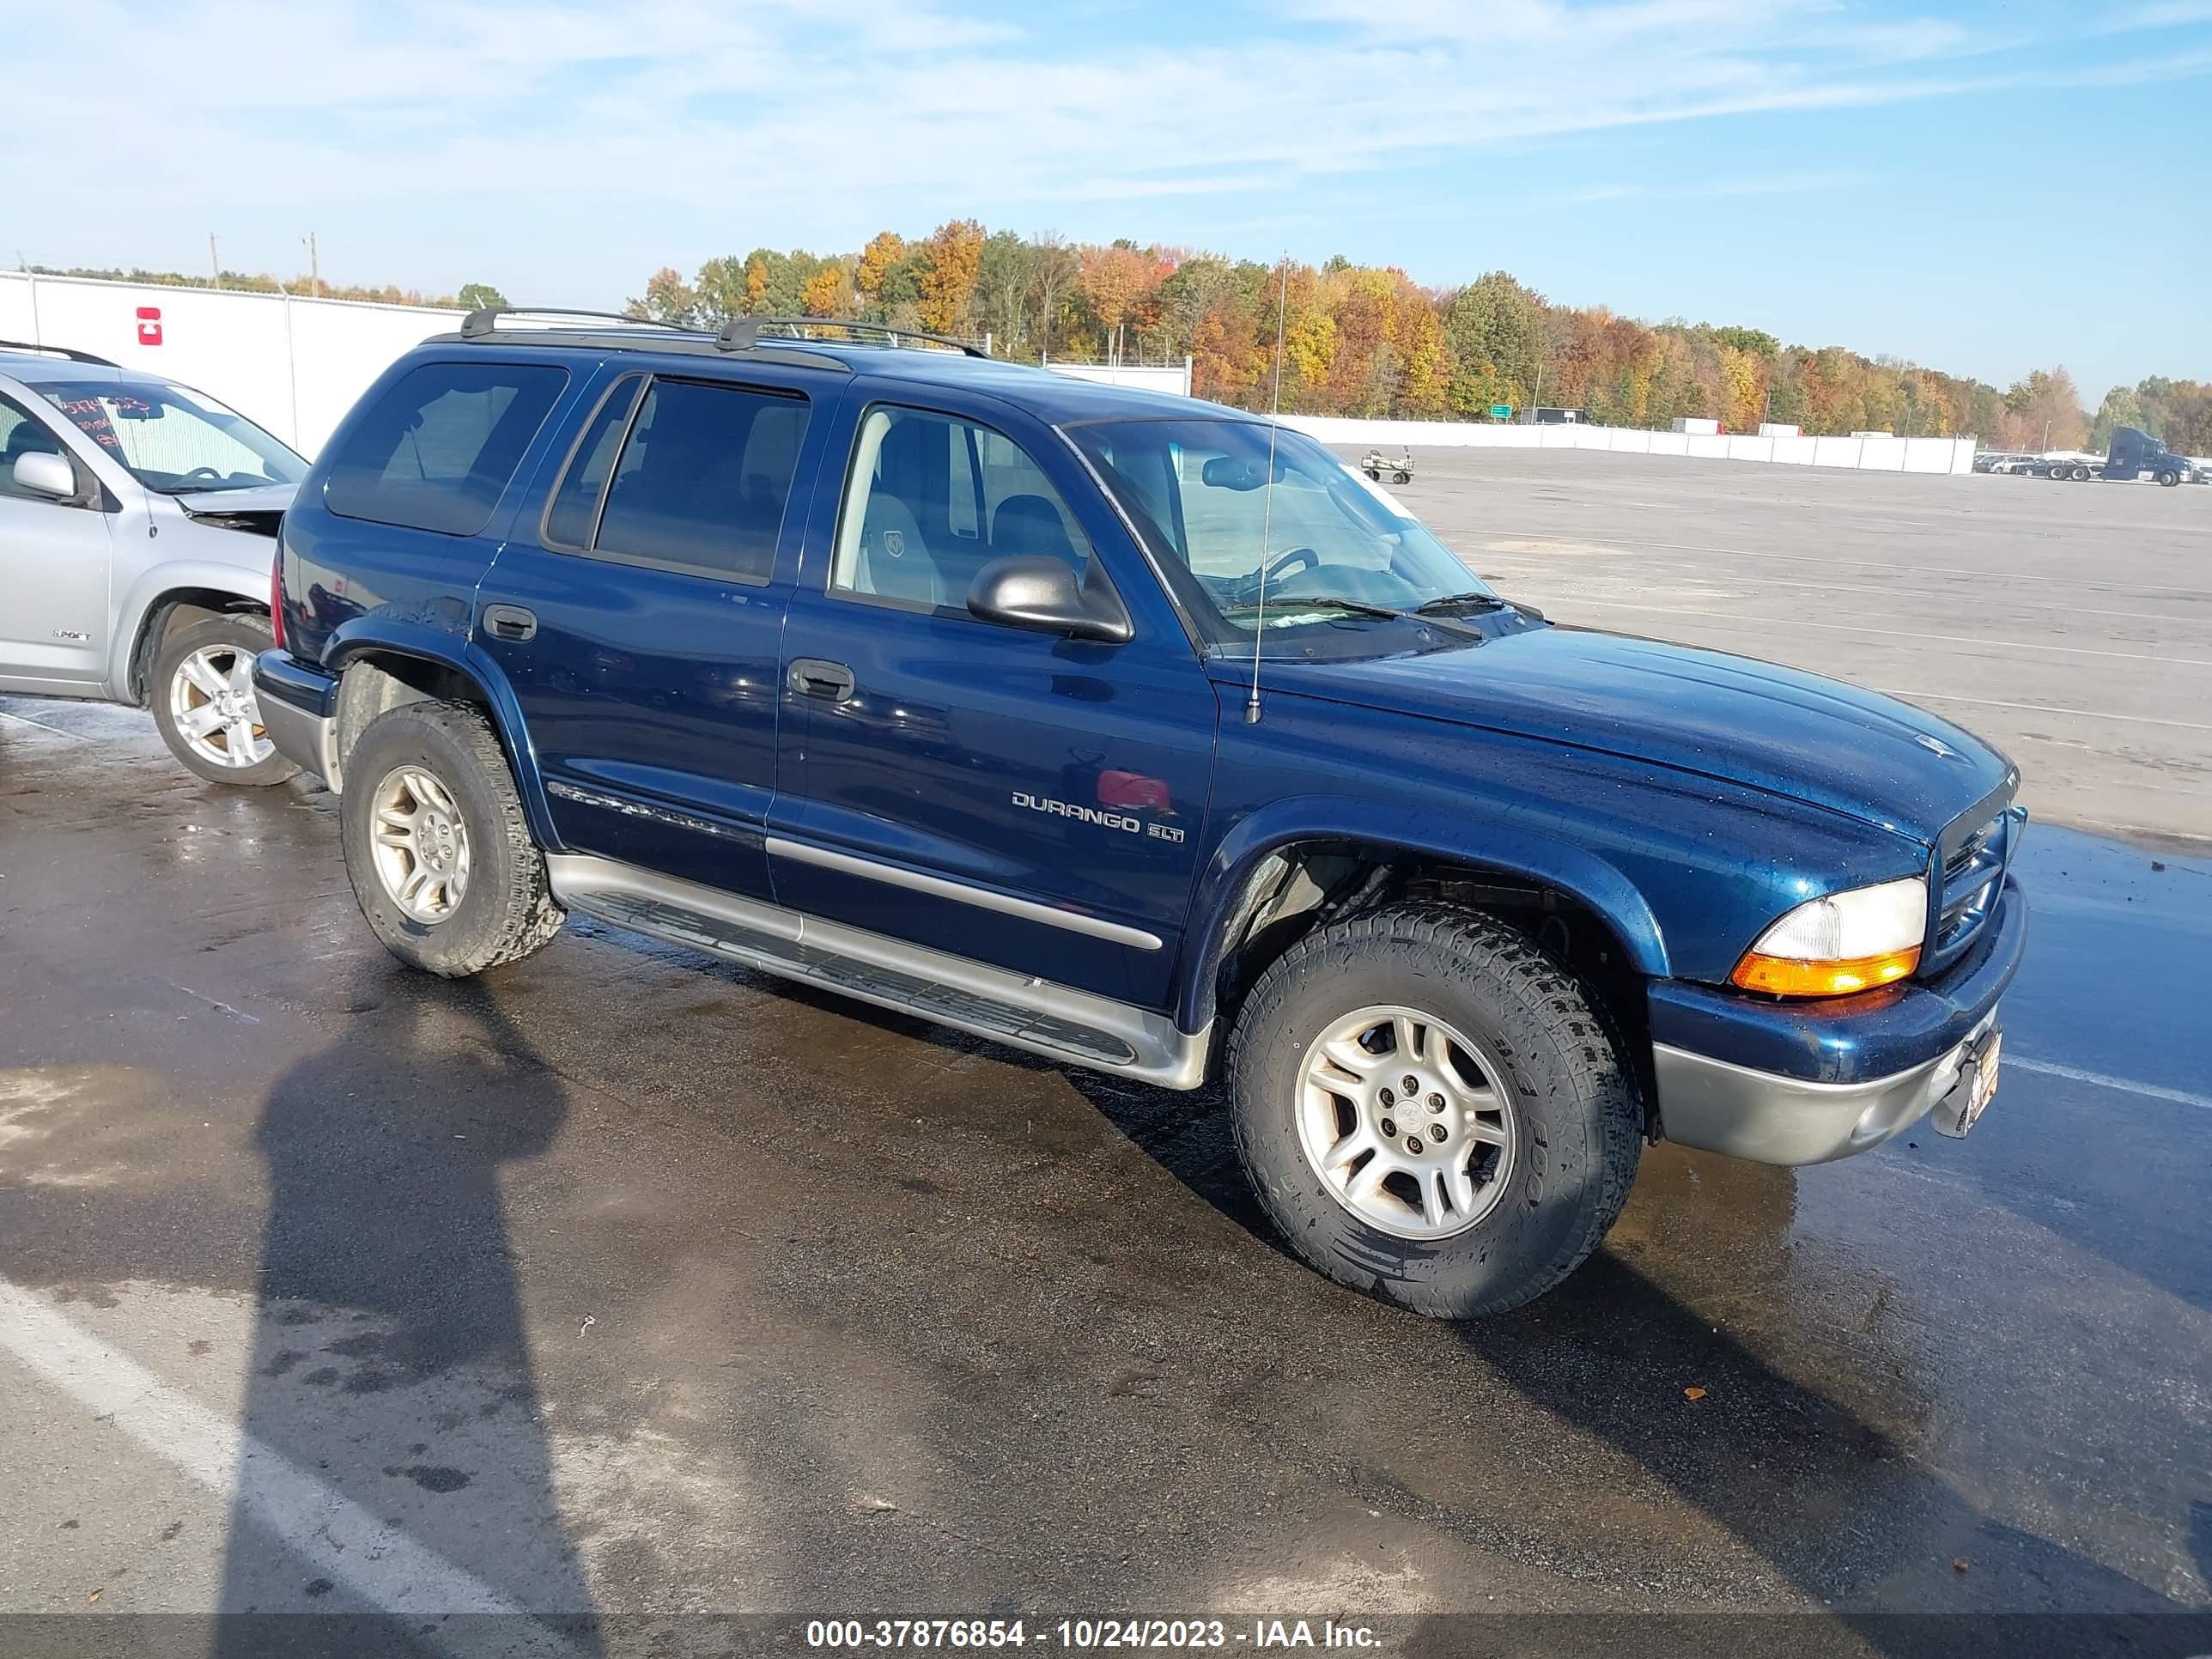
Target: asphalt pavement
x=626, y=1285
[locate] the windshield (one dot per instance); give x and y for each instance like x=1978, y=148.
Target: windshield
x=1338, y=550
x=172, y=440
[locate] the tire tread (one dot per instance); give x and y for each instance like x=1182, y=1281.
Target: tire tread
x=1479, y=947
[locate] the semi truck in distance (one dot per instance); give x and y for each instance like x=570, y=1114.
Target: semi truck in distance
x=2134, y=455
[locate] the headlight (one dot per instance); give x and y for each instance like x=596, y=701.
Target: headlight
x=1846, y=942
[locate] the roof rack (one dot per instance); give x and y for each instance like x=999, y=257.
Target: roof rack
x=74, y=356
x=742, y=333
x=485, y=319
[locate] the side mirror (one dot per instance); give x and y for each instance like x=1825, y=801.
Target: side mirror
x=43, y=473
x=1036, y=591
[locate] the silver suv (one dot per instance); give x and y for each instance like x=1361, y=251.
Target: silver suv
x=137, y=521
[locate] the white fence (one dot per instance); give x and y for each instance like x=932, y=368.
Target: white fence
x=294, y=366
x=1931, y=455
x=1147, y=377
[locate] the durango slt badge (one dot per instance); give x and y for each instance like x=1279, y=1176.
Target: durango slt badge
x=1122, y=821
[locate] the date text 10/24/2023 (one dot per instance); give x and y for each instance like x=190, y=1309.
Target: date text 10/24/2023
x=1090, y=1634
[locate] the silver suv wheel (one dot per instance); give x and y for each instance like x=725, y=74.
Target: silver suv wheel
x=212, y=705
x=1403, y=1119
x=421, y=843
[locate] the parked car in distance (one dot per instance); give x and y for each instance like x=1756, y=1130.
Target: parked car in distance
x=1132, y=732
x=136, y=521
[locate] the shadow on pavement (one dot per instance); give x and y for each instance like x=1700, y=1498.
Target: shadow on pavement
x=389, y=1361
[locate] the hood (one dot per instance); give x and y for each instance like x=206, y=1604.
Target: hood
x=1752, y=723
x=254, y=510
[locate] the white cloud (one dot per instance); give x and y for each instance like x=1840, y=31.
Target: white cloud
x=810, y=120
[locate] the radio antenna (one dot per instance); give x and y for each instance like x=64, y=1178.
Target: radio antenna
x=1268, y=496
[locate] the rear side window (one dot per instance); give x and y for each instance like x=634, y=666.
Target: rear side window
x=438, y=449
x=699, y=484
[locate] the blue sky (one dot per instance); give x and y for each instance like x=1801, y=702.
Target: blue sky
x=1983, y=188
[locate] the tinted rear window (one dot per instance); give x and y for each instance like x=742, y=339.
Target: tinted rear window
x=436, y=450
x=700, y=485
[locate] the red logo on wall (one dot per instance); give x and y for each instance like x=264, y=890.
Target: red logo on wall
x=149, y=325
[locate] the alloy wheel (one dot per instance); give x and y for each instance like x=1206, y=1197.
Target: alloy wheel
x=212, y=706
x=420, y=842
x=1406, y=1122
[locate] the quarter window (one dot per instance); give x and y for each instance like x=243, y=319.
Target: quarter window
x=932, y=500
x=701, y=484
x=437, y=451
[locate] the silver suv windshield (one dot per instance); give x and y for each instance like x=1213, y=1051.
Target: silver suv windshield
x=1338, y=549
x=174, y=441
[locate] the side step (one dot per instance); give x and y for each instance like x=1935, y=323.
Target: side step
x=1077, y=1027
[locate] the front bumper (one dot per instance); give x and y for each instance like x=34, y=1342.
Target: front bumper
x=299, y=711
x=1804, y=1083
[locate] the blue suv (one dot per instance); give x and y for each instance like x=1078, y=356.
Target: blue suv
x=1134, y=732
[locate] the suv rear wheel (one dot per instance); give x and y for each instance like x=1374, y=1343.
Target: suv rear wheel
x=203, y=704
x=437, y=844
x=1433, y=1111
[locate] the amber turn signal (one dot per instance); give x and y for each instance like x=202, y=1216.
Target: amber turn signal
x=1781, y=977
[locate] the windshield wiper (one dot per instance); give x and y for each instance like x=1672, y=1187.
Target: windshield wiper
x=1381, y=612
x=1457, y=601
x=1477, y=601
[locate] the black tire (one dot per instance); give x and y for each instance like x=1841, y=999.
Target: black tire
x=1402, y=477
x=505, y=909
x=2169, y=478
x=2080, y=475
x=1577, y=1115
x=237, y=638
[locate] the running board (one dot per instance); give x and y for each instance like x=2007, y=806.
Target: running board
x=1077, y=1027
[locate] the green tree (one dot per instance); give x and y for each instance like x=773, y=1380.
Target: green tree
x=2122, y=406
x=480, y=296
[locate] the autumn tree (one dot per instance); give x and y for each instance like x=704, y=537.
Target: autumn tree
x=951, y=261
x=2042, y=411
x=829, y=292
x=885, y=252
x=667, y=299
x=1113, y=279
x=1366, y=340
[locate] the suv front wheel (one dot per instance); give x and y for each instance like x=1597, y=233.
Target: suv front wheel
x=437, y=844
x=1432, y=1109
x=203, y=702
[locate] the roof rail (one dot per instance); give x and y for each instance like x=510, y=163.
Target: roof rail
x=742, y=333
x=57, y=351
x=485, y=319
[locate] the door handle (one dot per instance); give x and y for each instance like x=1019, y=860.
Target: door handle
x=509, y=622
x=813, y=678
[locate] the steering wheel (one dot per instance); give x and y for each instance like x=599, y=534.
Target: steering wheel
x=1302, y=558
x=213, y=475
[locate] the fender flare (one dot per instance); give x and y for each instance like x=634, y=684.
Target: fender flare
x=364, y=636
x=157, y=583
x=1490, y=842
